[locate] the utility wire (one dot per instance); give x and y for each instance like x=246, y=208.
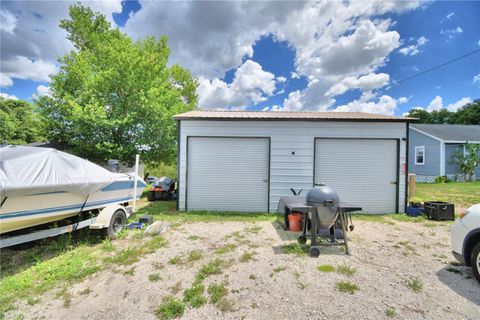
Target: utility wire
x=436, y=67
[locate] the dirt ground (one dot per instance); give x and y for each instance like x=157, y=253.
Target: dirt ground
x=277, y=285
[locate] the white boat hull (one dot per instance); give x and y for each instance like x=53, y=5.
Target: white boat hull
x=35, y=209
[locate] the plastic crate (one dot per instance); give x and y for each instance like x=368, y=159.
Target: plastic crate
x=414, y=211
x=439, y=211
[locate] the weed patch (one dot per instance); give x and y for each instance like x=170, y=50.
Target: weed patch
x=415, y=284
x=216, y=291
x=225, y=305
x=194, y=296
x=154, y=277
x=175, y=260
x=295, y=249
x=390, y=312
x=326, y=268
x=246, y=256
x=225, y=248
x=170, y=308
x=347, y=287
x=346, y=270
x=211, y=268
x=194, y=255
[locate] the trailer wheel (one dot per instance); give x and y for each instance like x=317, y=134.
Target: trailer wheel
x=117, y=223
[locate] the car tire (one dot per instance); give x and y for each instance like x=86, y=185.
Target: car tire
x=475, y=261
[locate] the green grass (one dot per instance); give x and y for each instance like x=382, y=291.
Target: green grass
x=165, y=211
x=390, y=312
x=226, y=248
x=63, y=261
x=346, y=270
x=279, y=269
x=295, y=249
x=175, y=260
x=246, y=256
x=211, y=268
x=462, y=194
x=225, y=305
x=129, y=272
x=216, y=291
x=170, y=308
x=415, y=284
x=326, y=268
x=194, y=296
x=255, y=229
x=194, y=255
x=154, y=277
x=347, y=287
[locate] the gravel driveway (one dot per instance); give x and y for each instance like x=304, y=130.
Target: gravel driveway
x=264, y=282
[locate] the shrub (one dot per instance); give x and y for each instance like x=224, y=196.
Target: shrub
x=170, y=308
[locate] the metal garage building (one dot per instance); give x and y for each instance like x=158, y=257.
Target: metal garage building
x=247, y=160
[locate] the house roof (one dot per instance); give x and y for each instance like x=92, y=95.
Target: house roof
x=287, y=115
x=450, y=132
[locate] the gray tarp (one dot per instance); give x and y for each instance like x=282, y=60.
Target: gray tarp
x=26, y=170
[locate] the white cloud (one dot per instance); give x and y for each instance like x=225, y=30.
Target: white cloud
x=9, y=21
x=437, y=104
x=413, y=49
x=5, y=81
x=23, y=68
x=220, y=35
x=281, y=79
x=448, y=17
x=42, y=91
x=250, y=85
x=476, y=79
x=30, y=32
x=7, y=96
x=385, y=105
x=368, y=82
x=451, y=33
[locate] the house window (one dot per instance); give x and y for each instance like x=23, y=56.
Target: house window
x=420, y=155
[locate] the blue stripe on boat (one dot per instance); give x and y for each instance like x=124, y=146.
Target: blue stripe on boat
x=122, y=185
x=63, y=208
x=39, y=194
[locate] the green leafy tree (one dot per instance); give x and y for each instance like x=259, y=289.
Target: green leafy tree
x=467, y=161
x=422, y=115
x=468, y=114
x=18, y=122
x=114, y=97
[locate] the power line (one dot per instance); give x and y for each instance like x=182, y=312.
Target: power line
x=436, y=67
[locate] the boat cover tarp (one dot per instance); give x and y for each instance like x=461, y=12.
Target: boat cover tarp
x=33, y=170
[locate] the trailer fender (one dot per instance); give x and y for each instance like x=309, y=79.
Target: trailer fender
x=103, y=219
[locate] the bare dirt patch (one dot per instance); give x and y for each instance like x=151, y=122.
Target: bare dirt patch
x=397, y=269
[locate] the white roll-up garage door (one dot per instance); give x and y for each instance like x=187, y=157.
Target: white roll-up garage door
x=362, y=171
x=227, y=174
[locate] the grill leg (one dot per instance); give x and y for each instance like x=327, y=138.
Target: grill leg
x=344, y=220
x=313, y=230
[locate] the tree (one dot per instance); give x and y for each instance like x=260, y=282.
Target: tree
x=18, y=122
x=467, y=161
x=422, y=115
x=114, y=97
x=468, y=114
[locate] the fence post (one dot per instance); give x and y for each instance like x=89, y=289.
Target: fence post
x=411, y=185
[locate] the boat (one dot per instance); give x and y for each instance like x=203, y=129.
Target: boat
x=43, y=185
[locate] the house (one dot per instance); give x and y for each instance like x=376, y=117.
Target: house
x=247, y=160
x=432, y=146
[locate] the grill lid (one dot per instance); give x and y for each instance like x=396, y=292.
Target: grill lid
x=322, y=193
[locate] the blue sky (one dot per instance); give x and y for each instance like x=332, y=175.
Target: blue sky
x=276, y=56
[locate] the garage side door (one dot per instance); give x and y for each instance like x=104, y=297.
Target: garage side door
x=362, y=171
x=227, y=174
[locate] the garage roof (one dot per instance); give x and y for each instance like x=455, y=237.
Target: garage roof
x=287, y=115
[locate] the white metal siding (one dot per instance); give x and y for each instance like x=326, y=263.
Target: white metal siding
x=287, y=169
x=362, y=171
x=227, y=174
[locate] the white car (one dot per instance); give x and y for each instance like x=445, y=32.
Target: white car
x=466, y=239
